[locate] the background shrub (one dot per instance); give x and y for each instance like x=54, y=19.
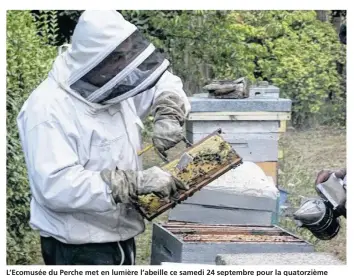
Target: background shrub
x=28, y=62
x=290, y=49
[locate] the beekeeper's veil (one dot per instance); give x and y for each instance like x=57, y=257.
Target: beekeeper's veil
x=109, y=60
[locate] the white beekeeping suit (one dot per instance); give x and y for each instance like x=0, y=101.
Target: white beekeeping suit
x=85, y=118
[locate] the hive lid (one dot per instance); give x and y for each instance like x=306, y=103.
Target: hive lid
x=201, y=103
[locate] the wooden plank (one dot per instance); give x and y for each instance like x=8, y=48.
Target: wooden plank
x=165, y=246
x=239, y=113
x=282, y=126
x=239, y=116
x=226, y=200
x=228, y=127
x=211, y=215
x=239, y=137
x=281, y=131
x=270, y=169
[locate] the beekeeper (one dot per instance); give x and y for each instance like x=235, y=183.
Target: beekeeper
x=80, y=132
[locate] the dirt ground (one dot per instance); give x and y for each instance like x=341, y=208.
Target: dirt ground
x=305, y=154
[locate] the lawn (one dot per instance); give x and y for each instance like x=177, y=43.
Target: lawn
x=305, y=154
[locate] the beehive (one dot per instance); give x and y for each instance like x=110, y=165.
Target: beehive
x=251, y=125
x=212, y=157
x=197, y=243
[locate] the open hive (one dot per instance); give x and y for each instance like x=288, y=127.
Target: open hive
x=212, y=157
x=190, y=232
x=181, y=242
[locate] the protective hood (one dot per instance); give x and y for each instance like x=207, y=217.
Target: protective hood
x=108, y=60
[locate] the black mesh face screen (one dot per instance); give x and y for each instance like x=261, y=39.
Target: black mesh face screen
x=116, y=61
x=140, y=74
x=128, y=51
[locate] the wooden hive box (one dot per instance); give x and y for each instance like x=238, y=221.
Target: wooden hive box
x=197, y=243
x=252, y=126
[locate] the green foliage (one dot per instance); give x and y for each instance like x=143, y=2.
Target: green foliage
x=72, y=14
x=47, y=24
x=56, y=26
x=28, y=62
x=301, y=58
x=291, y=49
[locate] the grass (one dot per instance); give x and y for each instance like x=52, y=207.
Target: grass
x=305, y=153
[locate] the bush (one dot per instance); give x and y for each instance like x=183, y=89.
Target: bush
x=290, y=49
x=28, y=62
x=301, y=58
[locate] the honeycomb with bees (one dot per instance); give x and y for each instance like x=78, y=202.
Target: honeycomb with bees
x=211, y=158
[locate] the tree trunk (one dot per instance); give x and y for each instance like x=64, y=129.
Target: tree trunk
x=323, y=15
x=336, y=22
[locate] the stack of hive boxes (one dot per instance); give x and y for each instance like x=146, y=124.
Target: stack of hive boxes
x=227, y=217
x=251, y=125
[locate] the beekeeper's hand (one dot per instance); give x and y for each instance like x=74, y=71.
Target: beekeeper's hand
x=167, y=133
x=168, y=111
x=324, y=175
x=128, y=184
